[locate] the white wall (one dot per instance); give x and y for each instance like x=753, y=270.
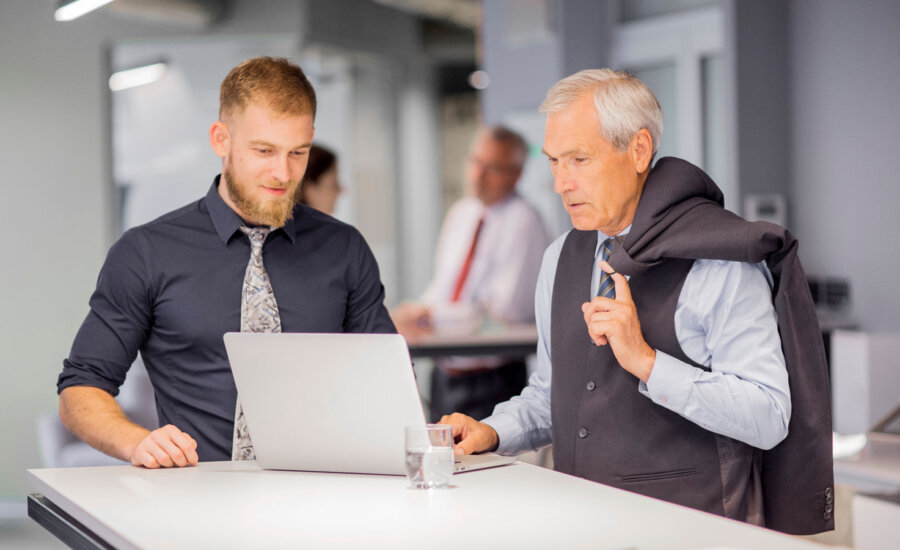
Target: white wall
x=55, y=205
x=845, y=117
x=55, y=193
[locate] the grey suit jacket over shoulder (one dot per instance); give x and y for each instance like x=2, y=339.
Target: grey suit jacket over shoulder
x=681, y=216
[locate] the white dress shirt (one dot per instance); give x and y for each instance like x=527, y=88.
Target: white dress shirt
x=504, y=270
x=724, y=320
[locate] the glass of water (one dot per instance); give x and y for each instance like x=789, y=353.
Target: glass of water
x=429, y=455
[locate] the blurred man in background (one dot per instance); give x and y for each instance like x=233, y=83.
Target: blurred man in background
x=486, y=266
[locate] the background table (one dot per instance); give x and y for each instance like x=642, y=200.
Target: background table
x=513, y=340
x=237, y=505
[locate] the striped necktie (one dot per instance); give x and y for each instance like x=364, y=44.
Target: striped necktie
x=607, y=287
x=259, y=313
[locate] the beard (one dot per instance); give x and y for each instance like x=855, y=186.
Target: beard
x=275, y=211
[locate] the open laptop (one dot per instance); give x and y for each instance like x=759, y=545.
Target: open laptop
x=330, y=402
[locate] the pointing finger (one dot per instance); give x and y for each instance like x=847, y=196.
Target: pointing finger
x=623, y=291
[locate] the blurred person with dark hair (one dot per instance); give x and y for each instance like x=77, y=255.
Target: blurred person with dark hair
x=170, y=289
x=486, y=267
x=320, y=187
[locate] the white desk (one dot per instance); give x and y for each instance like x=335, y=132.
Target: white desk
x=236, y=505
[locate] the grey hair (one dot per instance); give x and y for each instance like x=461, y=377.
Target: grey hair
x=624, y=104
x=509, y=137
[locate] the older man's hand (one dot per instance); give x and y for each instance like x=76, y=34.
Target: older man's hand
x=469, y=435
x=615, y=322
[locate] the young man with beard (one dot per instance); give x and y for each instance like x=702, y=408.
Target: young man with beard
x=244, y=257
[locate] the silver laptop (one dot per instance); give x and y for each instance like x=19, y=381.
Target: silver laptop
x=330, y=402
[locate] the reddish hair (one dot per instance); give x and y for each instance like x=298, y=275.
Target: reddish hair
x=272, y=81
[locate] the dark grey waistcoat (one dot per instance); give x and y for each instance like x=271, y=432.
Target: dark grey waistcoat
x=604, y=430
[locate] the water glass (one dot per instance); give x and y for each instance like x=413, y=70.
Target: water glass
x=429, y=455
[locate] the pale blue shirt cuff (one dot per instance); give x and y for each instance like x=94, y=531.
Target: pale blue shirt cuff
x=509, y=432
x=670, y=382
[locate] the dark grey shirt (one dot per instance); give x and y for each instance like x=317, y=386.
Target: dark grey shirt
x=171, y=288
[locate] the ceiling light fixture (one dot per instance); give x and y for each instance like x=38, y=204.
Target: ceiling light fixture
x=73, y=9
x=479, y=80
x=138, y=76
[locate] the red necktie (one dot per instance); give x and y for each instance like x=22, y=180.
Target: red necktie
x=461, y=281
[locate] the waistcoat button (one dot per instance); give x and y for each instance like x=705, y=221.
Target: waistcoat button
x=591, y=386
x=582, y=433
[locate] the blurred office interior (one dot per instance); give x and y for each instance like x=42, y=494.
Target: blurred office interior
x=789, y=104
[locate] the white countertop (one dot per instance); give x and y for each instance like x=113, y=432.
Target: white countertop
x=237, y=505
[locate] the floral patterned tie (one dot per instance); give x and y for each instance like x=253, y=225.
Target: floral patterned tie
x=259, y=313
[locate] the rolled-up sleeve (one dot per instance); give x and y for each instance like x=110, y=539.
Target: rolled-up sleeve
x=117, y=323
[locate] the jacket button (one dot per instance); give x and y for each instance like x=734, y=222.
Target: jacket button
x=591, y=386
x=828, y=491
x=826, y=516
x=829, y=499
x=582, y=433
x=828, y=508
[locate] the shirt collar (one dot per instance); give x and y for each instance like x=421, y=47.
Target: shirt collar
x=602, y=237
x=226, y=221
x=497, y=206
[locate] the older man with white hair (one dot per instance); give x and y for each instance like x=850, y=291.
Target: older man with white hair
x=681, y=340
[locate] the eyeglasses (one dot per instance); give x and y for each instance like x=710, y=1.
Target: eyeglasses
x=491, y=168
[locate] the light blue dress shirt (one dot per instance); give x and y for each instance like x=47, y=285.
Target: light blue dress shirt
x=724, y=320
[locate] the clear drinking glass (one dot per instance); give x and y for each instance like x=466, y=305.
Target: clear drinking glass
x=429, y=455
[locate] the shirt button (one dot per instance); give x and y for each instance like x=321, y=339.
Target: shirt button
x=663, y=399
x=591, y=386
x=582, y=433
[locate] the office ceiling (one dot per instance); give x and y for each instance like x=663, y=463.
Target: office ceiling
x=449, y=27
x=463, y=13
x=183, y=13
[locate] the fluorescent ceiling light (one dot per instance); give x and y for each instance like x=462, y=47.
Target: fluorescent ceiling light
x=77, y=8
x=136, y=77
